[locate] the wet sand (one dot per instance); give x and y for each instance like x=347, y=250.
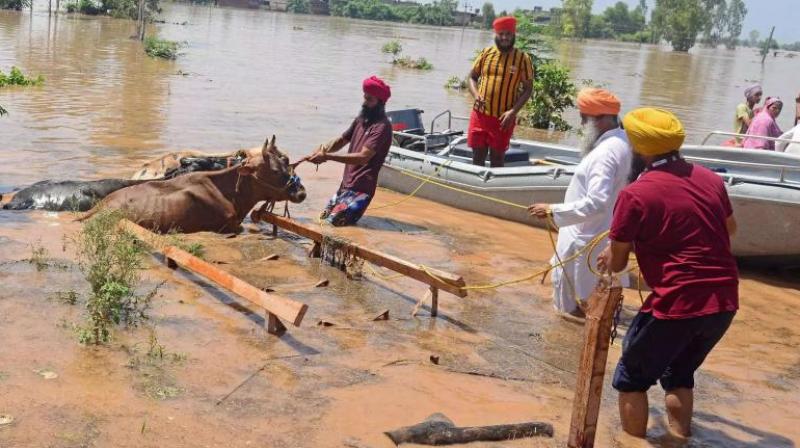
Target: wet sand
x=325, y=386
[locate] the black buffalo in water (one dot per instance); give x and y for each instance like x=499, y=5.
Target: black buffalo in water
x=80, y=196
x=68, y=195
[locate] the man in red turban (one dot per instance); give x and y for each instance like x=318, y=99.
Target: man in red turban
x=369, y=136
x=501, y=81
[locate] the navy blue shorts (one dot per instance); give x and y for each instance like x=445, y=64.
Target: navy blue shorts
x=667, y=350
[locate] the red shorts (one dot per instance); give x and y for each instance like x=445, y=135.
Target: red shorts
x=485, y=132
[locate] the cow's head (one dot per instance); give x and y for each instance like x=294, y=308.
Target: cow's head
x=271, y=175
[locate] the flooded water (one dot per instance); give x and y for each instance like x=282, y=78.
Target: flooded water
x=106, y=107
x=244, y=74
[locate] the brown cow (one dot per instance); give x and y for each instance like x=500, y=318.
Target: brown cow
x=208, y=201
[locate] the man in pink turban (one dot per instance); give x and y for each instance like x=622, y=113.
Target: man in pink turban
x=369, y=136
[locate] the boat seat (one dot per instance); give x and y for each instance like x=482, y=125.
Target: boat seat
x=407, y=120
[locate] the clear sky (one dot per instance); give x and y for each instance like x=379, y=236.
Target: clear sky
x=761, y=14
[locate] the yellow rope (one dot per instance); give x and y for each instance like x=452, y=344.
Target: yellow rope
x=588, y=249
x=413, y=193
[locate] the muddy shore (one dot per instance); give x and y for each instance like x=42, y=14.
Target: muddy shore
x=326, y=386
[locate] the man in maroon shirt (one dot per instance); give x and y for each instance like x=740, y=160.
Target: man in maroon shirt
x=678, y=220
x=370, y=137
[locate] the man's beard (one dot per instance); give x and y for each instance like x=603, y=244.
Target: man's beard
x=590, y=135
x=505, y=48
x=637, y=167
x=372, y=114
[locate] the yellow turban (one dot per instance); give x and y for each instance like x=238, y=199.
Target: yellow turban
x=596, y=102
x=653, y=132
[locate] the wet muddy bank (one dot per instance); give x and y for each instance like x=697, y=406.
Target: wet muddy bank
x=503, y=355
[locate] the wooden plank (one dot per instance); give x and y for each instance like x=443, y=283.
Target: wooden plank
x=282, y=307
x=434, y=302
x=446, y=281
x=592, y=367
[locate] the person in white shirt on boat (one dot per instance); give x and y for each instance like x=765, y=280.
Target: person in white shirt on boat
x=793, y=147
x=589, y=202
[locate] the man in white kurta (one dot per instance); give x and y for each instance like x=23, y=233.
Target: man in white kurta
x=589, y=202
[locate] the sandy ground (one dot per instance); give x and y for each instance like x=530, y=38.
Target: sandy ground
x=321, y=386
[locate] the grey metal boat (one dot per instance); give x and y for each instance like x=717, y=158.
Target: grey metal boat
x=764, y=186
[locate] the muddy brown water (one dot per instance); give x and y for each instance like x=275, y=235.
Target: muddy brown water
x=106, y=107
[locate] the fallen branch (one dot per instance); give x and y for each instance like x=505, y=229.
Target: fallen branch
x=440, y=430
x=253, y=375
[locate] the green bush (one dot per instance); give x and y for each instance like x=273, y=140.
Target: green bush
x=456, y=83
x=16, y=78
x=110, y=260
x=161, y=48
x=15, y=4
x=417, y=64
x=298, y=7
x=392, y=47
x=553, y=93
x=553, y=90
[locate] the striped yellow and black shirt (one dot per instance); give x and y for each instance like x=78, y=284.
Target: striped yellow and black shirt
x=500, y=75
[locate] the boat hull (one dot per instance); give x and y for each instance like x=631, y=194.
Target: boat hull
x=768, y=214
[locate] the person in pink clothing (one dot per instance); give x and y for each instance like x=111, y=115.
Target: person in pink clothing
x=764, y=125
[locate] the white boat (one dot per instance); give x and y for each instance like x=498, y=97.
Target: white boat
x=764, y=186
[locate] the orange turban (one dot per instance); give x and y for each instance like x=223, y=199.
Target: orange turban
x=505, y=23
x=653, y=132
x=596, y=102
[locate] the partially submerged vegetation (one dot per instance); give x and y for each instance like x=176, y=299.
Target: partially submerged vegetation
x=156, y=382
x=15, y=4
x=120, y=9
x=110, y=260
x=16, y=78
x=395, y=48
x=161, y=48
x=456, y=83
x=417, y=64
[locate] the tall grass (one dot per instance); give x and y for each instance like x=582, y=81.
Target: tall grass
x=111, y=260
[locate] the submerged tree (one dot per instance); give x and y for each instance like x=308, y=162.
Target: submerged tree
x=576, y=17
x=553, y=90
x=298, y=6
x=679, y=22
x=488, y=15
x=737, y=11
x=15, y=4
x=716, y=22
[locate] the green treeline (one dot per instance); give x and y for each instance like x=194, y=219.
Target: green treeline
x=439, y=12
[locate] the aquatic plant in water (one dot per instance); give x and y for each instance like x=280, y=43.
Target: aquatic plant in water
x=16, y=78
x=110, y=260
x=456, y=83
x=161, y=48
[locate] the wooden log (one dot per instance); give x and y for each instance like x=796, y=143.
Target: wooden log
x=434, y=301
x=278, y=306
x=439, y=430
x=446, y=281
x=274, y=325
x=592, y=368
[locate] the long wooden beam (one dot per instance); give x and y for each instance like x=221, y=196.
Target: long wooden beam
x=592, y=368
x=435, y=278
x=275, y=305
